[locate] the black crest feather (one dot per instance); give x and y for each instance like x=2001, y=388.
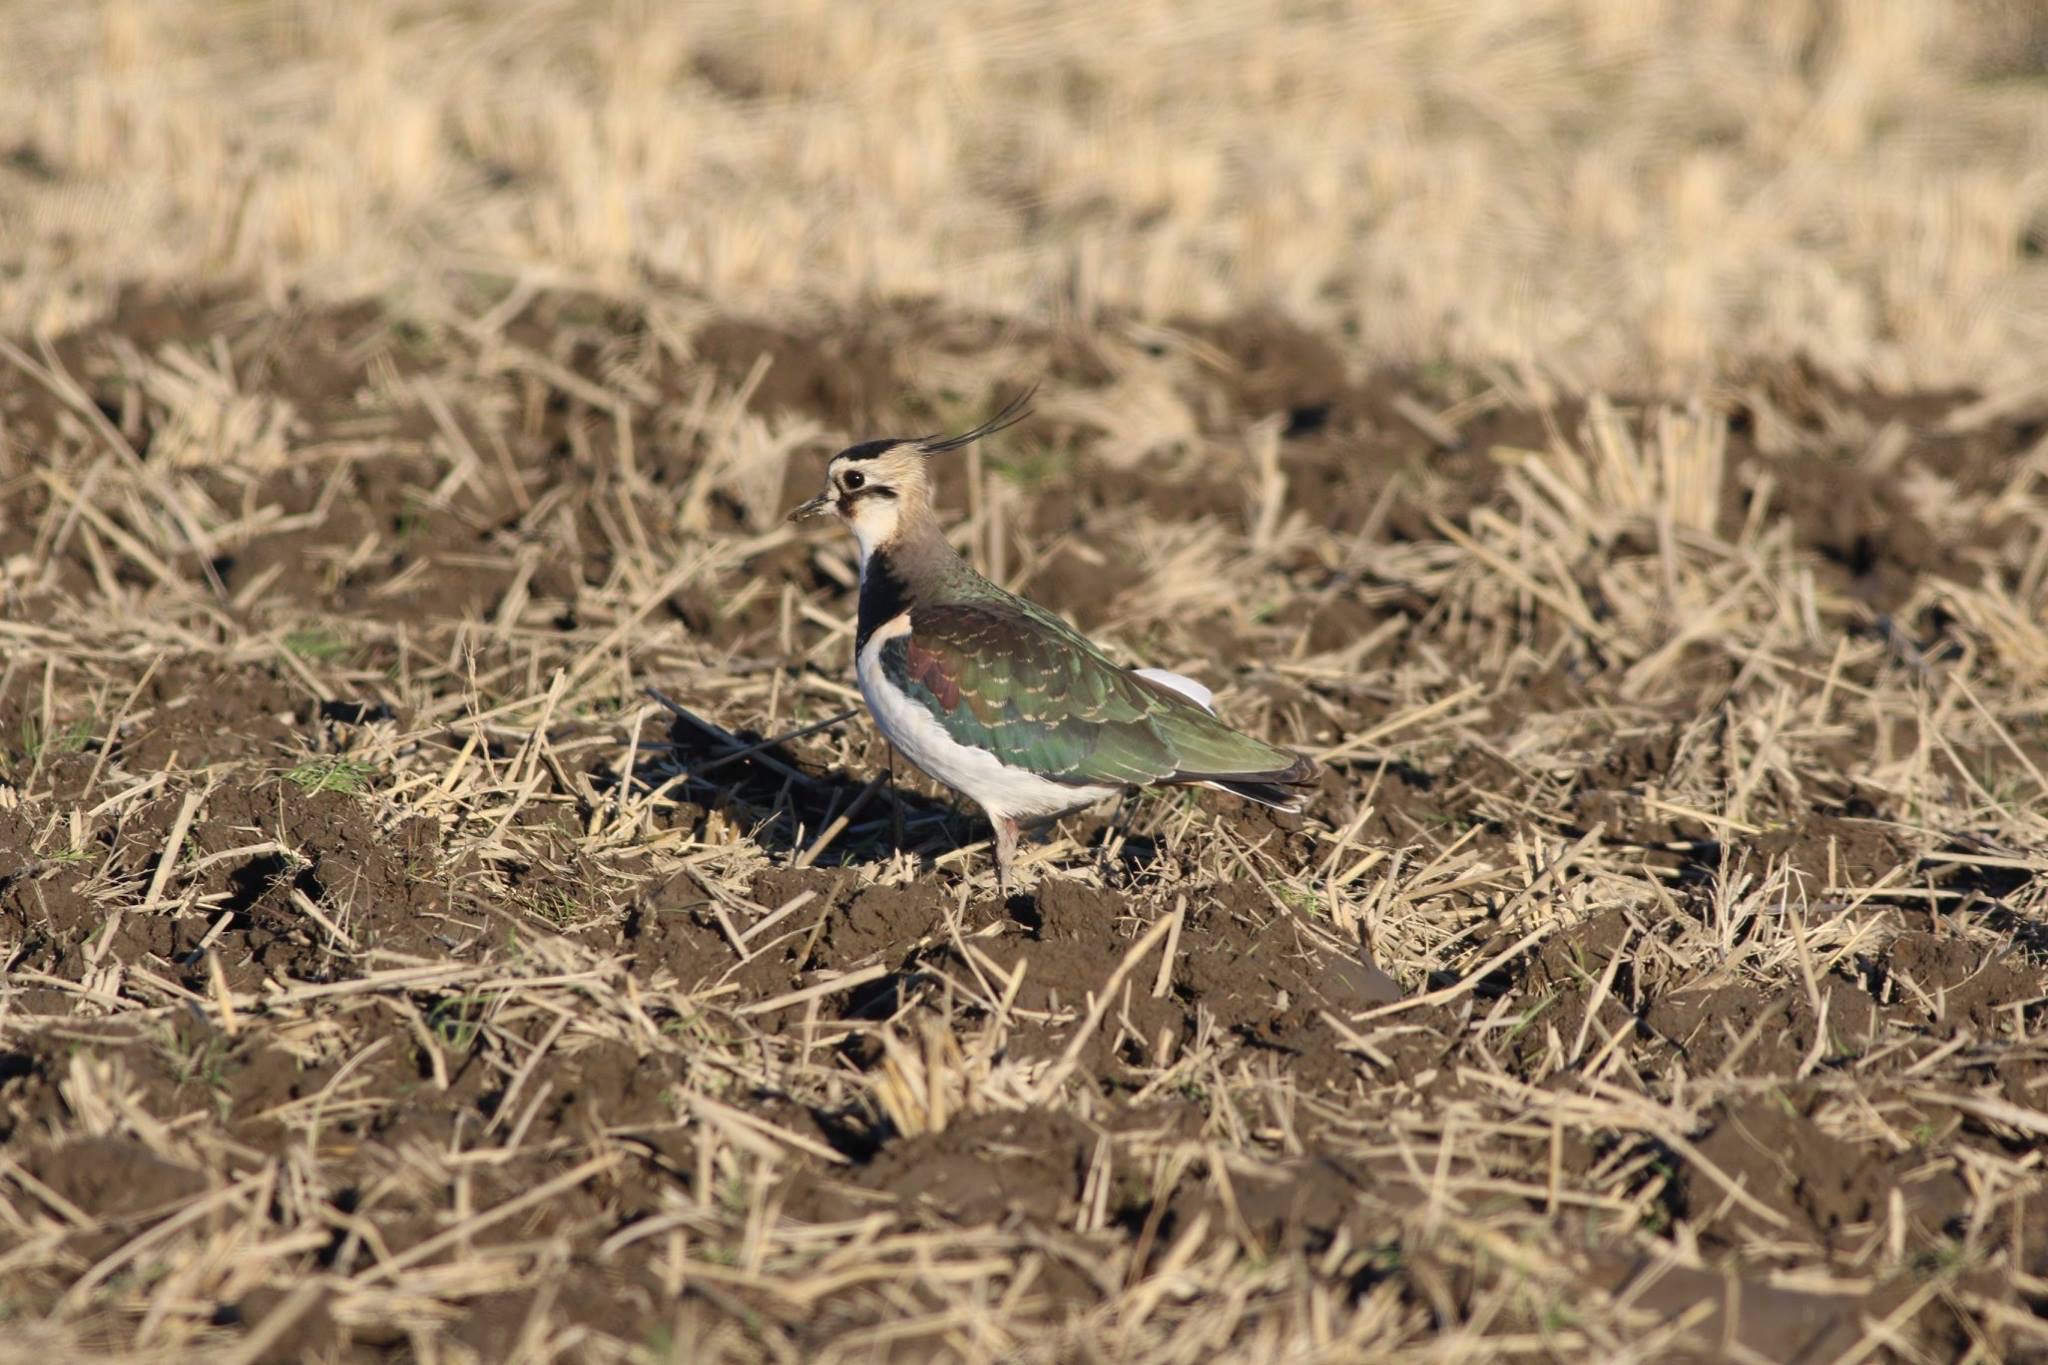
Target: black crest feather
x=1014, y=411
x=868, y=450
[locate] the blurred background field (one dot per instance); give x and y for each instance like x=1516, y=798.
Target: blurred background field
x=1616, y=195
x=1612, y=437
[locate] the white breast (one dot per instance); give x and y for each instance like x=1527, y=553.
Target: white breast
x=999, y=789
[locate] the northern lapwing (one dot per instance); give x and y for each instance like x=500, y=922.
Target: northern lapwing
x=995, y=696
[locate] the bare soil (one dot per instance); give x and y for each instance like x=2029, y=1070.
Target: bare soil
x=1660, y=967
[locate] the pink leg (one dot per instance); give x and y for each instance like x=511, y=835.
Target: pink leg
x=1006, y=850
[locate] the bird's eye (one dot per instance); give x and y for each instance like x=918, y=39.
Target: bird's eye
x=854, y=480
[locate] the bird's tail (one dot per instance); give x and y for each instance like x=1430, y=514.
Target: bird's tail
x=1286, y=789
x=1214, y=755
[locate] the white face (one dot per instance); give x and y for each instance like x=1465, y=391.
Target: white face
x=873, y=494
x=882, y=488
x=871, y=508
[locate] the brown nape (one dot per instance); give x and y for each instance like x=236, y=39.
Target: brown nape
x=920, y=547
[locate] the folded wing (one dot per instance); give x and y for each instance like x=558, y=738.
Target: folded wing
x=1018, y=682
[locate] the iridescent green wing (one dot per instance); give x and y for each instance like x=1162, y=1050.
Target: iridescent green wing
x=1007, y=678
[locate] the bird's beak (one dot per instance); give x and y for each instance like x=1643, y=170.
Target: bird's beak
x=820, y=504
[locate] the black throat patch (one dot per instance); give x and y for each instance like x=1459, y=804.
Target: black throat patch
x=884, y=596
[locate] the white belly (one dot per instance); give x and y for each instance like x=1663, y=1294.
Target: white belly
x=1003, y=791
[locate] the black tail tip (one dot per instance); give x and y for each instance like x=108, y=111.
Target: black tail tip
x=1284, y=795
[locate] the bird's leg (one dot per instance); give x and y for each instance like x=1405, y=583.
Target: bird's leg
x=1006, y=852
x=895, y=805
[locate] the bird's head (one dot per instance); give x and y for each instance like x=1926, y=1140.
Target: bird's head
x=879, y=487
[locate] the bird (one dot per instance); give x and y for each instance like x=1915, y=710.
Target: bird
x=998, y=698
